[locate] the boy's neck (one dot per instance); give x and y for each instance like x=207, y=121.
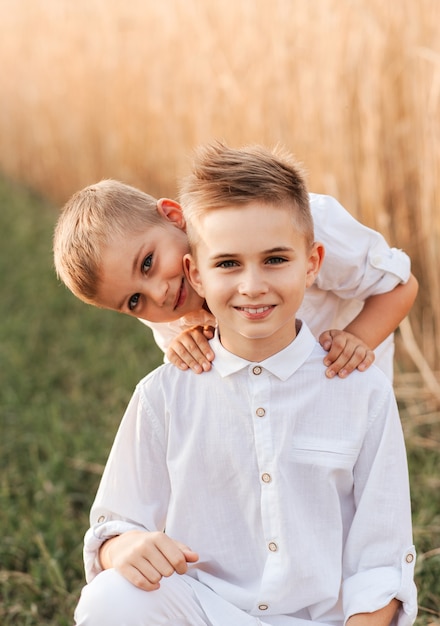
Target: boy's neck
x=256, y=350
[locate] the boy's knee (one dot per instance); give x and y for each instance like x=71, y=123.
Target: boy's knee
x=111, y=600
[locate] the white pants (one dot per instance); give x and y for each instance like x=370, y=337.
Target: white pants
x=110, y=600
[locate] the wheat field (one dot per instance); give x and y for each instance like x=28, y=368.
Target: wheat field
x=107, y=88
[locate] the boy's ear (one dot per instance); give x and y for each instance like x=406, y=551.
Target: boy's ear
x=171, y=211
x=316, y=258
x=193, y=274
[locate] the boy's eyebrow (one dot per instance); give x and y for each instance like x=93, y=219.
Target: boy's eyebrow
x=136, y=262
x=227, y=255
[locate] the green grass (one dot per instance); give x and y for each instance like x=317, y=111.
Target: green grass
x=66, y=374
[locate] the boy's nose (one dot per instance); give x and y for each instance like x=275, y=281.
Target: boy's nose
x=252, y=283
x=158, y=292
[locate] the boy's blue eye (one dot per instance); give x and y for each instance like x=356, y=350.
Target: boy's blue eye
x=133, y=301
x=227, y=264
x=147, y=263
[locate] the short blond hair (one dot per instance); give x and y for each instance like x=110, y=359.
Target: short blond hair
x=88, y=222
x=222, y=177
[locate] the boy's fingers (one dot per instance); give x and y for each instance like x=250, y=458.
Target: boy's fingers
x=137, y=578
x=191, y=350
x=168, y=557
x=164, y=564
x=325, y=339
x=360, y=359
x=193, y=358
x=208, y=333
x=368, y=360
x=176, y=360
x=340, y=349
x=190, y=555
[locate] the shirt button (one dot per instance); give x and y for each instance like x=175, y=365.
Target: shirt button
x=101, y=518
x=263, y=607
x=266, y=478
x=273, y=546
x=257, y=370
x=409, y=558
x=260, y=412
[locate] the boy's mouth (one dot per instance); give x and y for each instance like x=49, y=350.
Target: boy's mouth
x=255, y=312
x=181, y=295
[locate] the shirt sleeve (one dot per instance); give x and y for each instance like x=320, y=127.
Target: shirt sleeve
x=95, y=537
x=379, y=556
x=124, y=501
x=358, y=261
x=163, y=333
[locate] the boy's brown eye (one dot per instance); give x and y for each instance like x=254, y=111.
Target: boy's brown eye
x=133, y=301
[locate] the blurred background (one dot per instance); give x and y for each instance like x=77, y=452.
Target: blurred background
x=95, y=89
x=107, y=88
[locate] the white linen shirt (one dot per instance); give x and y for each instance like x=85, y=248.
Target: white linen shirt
x=358, y=263
x=292, y=488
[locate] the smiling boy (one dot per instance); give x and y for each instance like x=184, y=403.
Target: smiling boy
x=117, y=247
x=273, y=475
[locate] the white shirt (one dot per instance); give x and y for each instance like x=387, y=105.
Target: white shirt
x=358, y=263
x=284, y=482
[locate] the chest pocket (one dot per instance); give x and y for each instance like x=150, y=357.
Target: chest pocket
x=320, y=452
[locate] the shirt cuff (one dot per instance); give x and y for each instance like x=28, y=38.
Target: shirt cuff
x=93, y=540
x=374, y=589
x=395, y=264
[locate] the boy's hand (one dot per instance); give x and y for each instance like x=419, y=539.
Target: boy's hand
x=143, y=557
x=345, y=353
x=191, y=349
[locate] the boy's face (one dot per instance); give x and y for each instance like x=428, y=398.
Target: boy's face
x=142, y=274
x=252, y=266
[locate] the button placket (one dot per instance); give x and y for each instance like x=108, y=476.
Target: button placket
x=260, y=398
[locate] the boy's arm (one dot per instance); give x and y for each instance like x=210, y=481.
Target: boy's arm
x=143, y=557
x=379, y=317
x=379, y=556
x=382, y=313
x=382, y=617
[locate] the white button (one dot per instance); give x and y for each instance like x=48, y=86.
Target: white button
x=257, y=370
x=263, y=607
x=273, y=546
x=377, y=260
x=409, y=558
x=266, y=478
x=260, y=412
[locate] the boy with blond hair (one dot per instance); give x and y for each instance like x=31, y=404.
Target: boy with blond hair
x=118, y=248
x=259, y=493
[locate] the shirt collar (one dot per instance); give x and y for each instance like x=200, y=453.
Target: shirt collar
x=282, y=364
